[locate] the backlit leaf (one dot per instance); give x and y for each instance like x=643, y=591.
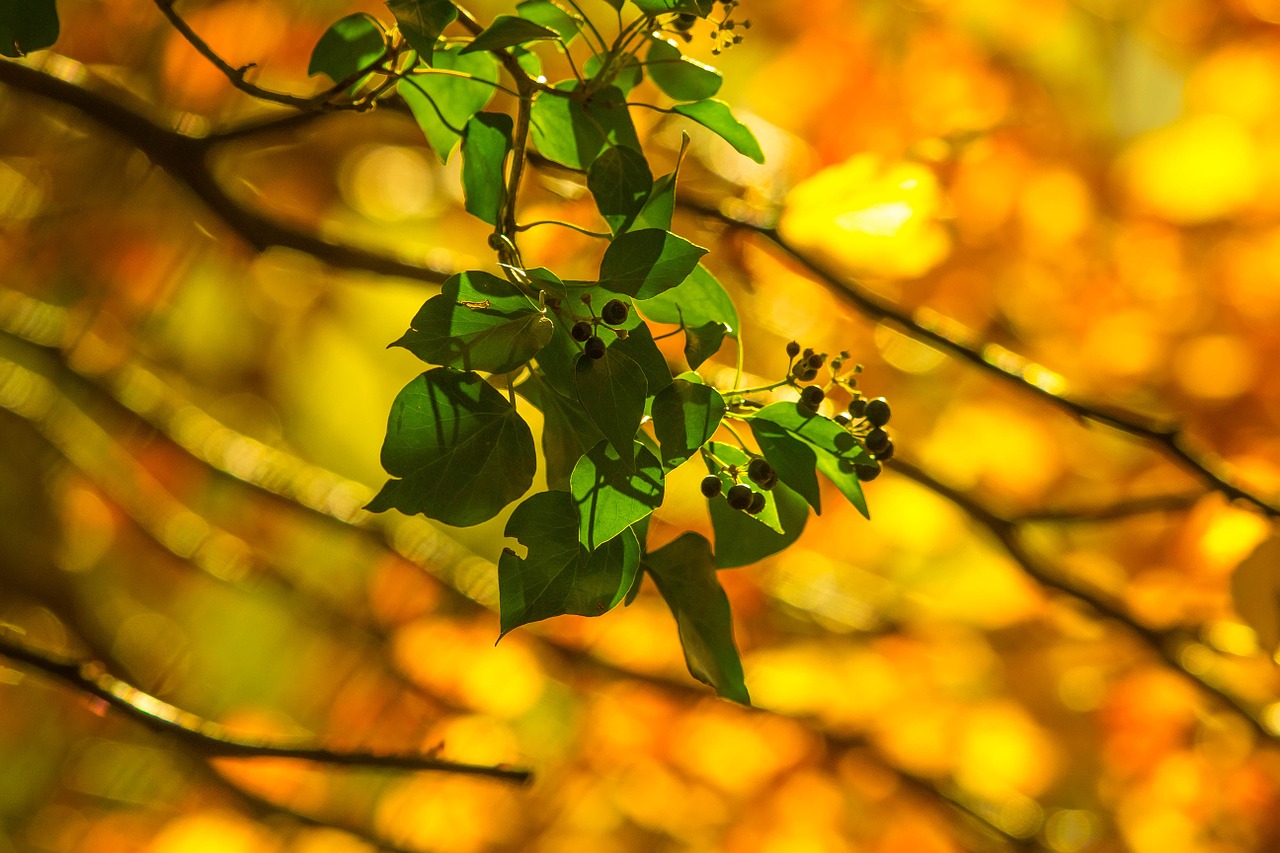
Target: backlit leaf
x=567, y=431
x=644, y=263
x=679, y=76
x=620, y=181
x=611, y=496
x=685, y=416
x=486, y=140
x=612, y=389
x=509, y=31
x=421, y=22
x=551, y=16
x=716, y=116
x=837, y=451
x=696, y=301
x=351, y=44
x=574, y=132
x=442, y=104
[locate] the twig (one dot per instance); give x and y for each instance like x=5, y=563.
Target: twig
x=213, y=739
x=1146, y=505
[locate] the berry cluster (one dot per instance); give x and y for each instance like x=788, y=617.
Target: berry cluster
x=614, y=313
x=741, y=496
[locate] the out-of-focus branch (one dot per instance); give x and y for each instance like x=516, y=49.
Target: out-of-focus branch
x=186, y=159
x=1168, y=645
x=213, y=739
x=997, y=361
x=1146, y=505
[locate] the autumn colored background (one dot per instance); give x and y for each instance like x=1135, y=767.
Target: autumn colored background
x=188, y=428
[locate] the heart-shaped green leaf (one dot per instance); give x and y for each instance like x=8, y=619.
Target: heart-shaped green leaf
x=574, y=131
x=485, y=142
x=421, y=22
x=644, y=263
x=682, y=78
x=442, y=104
x=349, y=46
x=509, y=31
x=611, y=496
x=717, y=117
x=612, y=390
x=620, y=182
x=685, y=415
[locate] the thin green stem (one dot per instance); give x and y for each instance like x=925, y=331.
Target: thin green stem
x=590, y=25
x=526, y=226
x=733, y=432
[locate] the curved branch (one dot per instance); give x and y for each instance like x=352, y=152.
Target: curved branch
x=1146, y=505
x=213, y=739
x=186, y=160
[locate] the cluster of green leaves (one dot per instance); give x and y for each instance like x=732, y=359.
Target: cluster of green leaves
x=616, y=421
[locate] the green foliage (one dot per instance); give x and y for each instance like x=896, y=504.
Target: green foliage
x=27, y=25
x=458, y=447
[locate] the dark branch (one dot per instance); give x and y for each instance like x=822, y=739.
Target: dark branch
x=213, y=739
x=1147, y=505
x=186, y=160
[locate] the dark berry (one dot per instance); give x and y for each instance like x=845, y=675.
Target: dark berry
x=793, y=349
x=614, y=312
x=759, y=471
x=812, y=396
x=808, y=351
x=740, y=496
x=877, y=440
x=711, y=486
x=768, y=484
x=887, y=452
x=757, y=504
x=684, y=21
x=842, y=419
x=878, y=411
x=846, y=465
x=844, y=441
x=858, y=407
x=807, y=375
x=581, y=331
x=816, y=361
x=594, y=348
x=866, y=473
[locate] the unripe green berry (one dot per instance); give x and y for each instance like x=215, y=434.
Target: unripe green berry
x=739, y=496
x=759, y=471
x=877, y=440
x=812, y=397
x=878, y=411
x=594, y=348
x=711, y=486
x=757, y=504
x=581, y=331
x=614, y=312
x=867, y=473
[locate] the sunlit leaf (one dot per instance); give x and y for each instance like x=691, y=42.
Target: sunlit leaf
x=27, y=25
x=347, y=47
x=716, y=116
x=685, y=415
x=741, y=538
x=421, y=22
x=611, y=496
x=567, y=430
x=625, y=74
x=837, y=451
x=620, y=181
x=685, y=574
x=793, y=460
x=682, y=78
x=702, y=342
x=442, y=104
x=573, y=132
x=459, y=447
x=509, y=31
x=644, y=263
x=696, y=301
x=478, y=322
x=612, y=389
x=486, y=140
x=558, y=575
x=551, y=16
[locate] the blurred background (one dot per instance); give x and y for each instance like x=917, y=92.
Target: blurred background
x=189, y=426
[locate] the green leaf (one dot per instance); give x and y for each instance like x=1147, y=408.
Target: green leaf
x=460, y=448
x=349, y=46
x=573, y=131
x=625, y=74
x=478, y=322
x=794, y=460
x=742, y=539
x=696, y=301
x=685, y=574
x=529, y=61
x=716, y=116
x=620, y=182
x=732, y=454
x=838, y=452
x=702, y=342
x=645, y=263
x=611, y=496
x=27, y=25
x=558, y=575
x=442, y=104
x=551, y=16
x=612, y=390
x=639, y=346
x=421, y=22
x=663, y=7
x=661, y=204
x=567, y=431
x=509, y=31
x=677, y=75
x=685, y=416
x=485, y=142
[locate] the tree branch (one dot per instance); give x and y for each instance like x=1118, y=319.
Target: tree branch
x=186, y=160
x=213, y=739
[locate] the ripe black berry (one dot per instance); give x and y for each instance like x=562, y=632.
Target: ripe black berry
x=812, y=396
x=594, y=348
x=711, y=486
x=581, y=331
x=808, y=351
x=842, y=419
x=759, y=471
x=816, y=361
x=877, y=440
x=614, y=312
x=878, y=411
x=858, y=407
x=887, y=453
x=757, y=504
x=739, y=496
x=793, y=349
x=866, y=473
x=768, y=484
x=807, y=375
